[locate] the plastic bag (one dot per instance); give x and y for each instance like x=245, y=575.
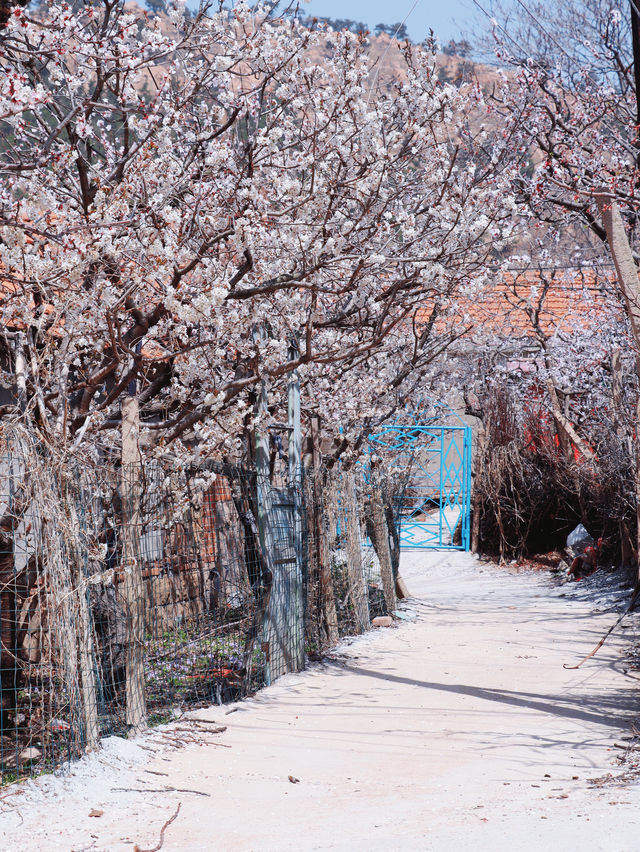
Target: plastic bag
x=579, y=539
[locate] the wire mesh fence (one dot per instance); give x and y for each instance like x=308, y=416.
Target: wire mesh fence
x=128, y=591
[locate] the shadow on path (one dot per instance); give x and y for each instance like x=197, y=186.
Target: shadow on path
x=616, y=711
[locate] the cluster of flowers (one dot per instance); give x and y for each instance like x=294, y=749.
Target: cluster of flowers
x=203, y=205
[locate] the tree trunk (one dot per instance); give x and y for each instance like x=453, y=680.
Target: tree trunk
x=136, y=710
x=10, y=605
x=383, y=550
x=635, y=42
x=327, y=500
x=81, y=626
x=626, y=446
x=476, y=499
x=357, y=585
x=327, y=601
x=627, y=274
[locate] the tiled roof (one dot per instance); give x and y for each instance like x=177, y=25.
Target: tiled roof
x=569, y=300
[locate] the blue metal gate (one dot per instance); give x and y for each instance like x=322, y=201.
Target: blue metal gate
x=430, y=465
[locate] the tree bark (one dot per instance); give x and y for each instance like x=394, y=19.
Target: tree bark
x=84, y=638
x=635, y=42
x=327, y=601
x=476, y=498
x=627, y=274
x=136, y=710
x=325, y=547
x=383, y=549
x=626, y=446
x=357, y=585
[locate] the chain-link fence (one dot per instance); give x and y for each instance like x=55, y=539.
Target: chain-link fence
x=126, y=592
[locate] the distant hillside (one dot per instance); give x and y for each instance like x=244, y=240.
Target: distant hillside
x=385, y=47
x=453, y=63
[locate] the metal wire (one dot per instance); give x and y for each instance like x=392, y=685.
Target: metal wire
x=126, y=593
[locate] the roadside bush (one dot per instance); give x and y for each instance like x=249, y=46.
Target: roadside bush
x=531, y=487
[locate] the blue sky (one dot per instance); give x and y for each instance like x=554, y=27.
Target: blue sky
x=446, y=17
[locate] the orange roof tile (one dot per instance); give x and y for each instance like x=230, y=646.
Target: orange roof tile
x=552, y=300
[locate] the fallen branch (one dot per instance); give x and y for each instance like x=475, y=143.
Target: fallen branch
x=158, y=845
x=218, y=730
x=609, y=631
x=158, y=790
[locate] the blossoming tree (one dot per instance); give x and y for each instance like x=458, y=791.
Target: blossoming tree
x=574, y=89
x=194, y=207
x=571, y=82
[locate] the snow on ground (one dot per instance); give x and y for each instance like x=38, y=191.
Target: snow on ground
x=457, y=728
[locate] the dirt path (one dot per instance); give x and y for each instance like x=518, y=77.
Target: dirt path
x=458, y=729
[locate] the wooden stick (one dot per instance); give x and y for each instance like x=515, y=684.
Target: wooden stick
x=158, y=845
x=158, y=790
x=609, y=631
x=402, y=592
